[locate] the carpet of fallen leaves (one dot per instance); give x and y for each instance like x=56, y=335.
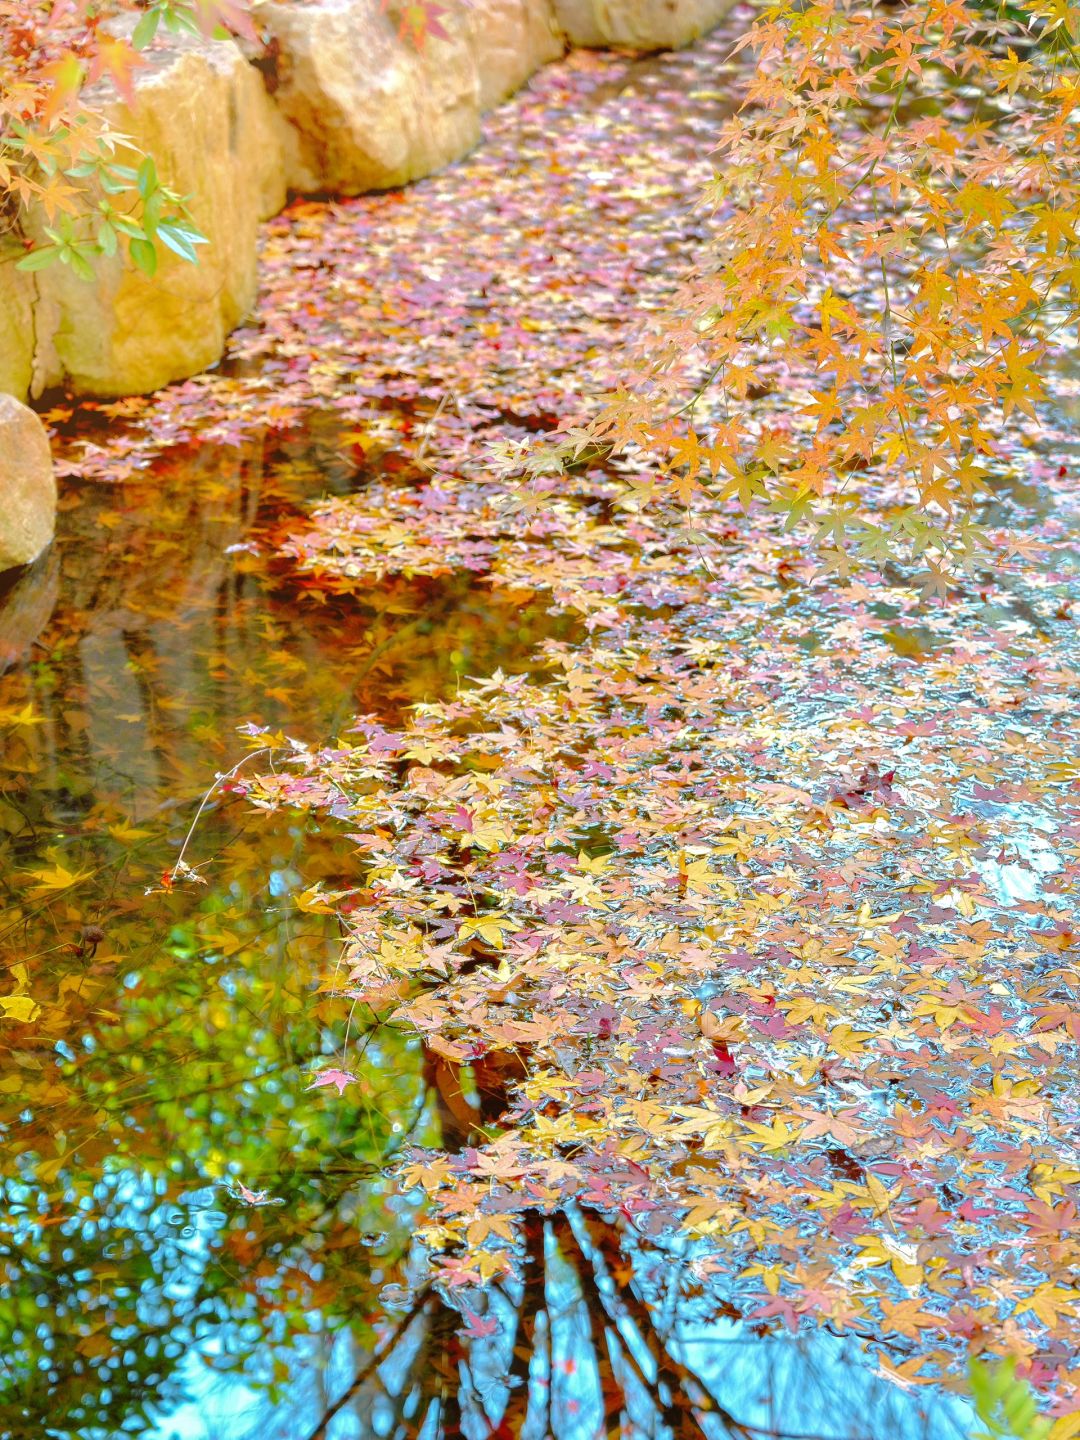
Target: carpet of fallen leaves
x=766, y=896
x=770, y=894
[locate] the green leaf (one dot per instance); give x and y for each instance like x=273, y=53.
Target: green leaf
x=147, y=178
x=144, y=255
x=81, y=265
x=187, y=229
x=181, y=240
x=106, y=238
x=129, y=227
x=152, y=212
x=1005, y=1404
x=146, y=29
x=74, y=257
x=38, y=259
x=180, y=20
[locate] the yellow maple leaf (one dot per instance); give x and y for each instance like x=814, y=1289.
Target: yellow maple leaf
x=55, y=877
x=1049, y=1302
x=317, y=901
x=777, y=1136
x=19, y=1007
x=489, y=928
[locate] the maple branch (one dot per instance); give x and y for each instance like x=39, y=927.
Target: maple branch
x=698, y=393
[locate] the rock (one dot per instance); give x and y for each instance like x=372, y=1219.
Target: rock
x=27, y=485
x=638, y=24
x=403, y=111
x=510, y=40
x=16, y=325
x=203, y=113
x=367, y=110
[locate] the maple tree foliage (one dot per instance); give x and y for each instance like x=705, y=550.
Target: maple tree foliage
x=893, y=247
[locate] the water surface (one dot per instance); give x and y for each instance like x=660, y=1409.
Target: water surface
x=196, y=1242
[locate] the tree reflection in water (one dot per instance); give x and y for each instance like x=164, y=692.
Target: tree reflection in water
x=606, y=1333
x=173, y=1305
x=582, y=1347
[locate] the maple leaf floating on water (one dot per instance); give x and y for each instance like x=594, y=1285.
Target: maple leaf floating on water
x=338, y=1078
x=479, y=1328
x=685, y=811
x=254, y=1197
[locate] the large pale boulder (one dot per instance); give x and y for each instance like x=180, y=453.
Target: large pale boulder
x=638, y=24
x=364, y=109
x=510, y=40
x=202, y=112
x=367, y=110
x=27, y=485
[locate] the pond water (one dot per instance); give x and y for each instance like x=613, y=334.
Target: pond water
x=170, y=1055
x=198, y=1243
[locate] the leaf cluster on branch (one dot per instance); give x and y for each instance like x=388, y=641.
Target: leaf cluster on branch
x=891, y=253
x=61, y=160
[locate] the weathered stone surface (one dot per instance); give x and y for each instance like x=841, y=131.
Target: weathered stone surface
x=16, y=325
x=203, y=113
x=510, y=40
x=638, y=24
x=365, y=109
x=27, y=485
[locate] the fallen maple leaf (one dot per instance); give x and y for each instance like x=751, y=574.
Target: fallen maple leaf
x=339, y=1079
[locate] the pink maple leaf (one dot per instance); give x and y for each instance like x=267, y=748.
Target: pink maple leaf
x=479, y=1328
x=338, y=1078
